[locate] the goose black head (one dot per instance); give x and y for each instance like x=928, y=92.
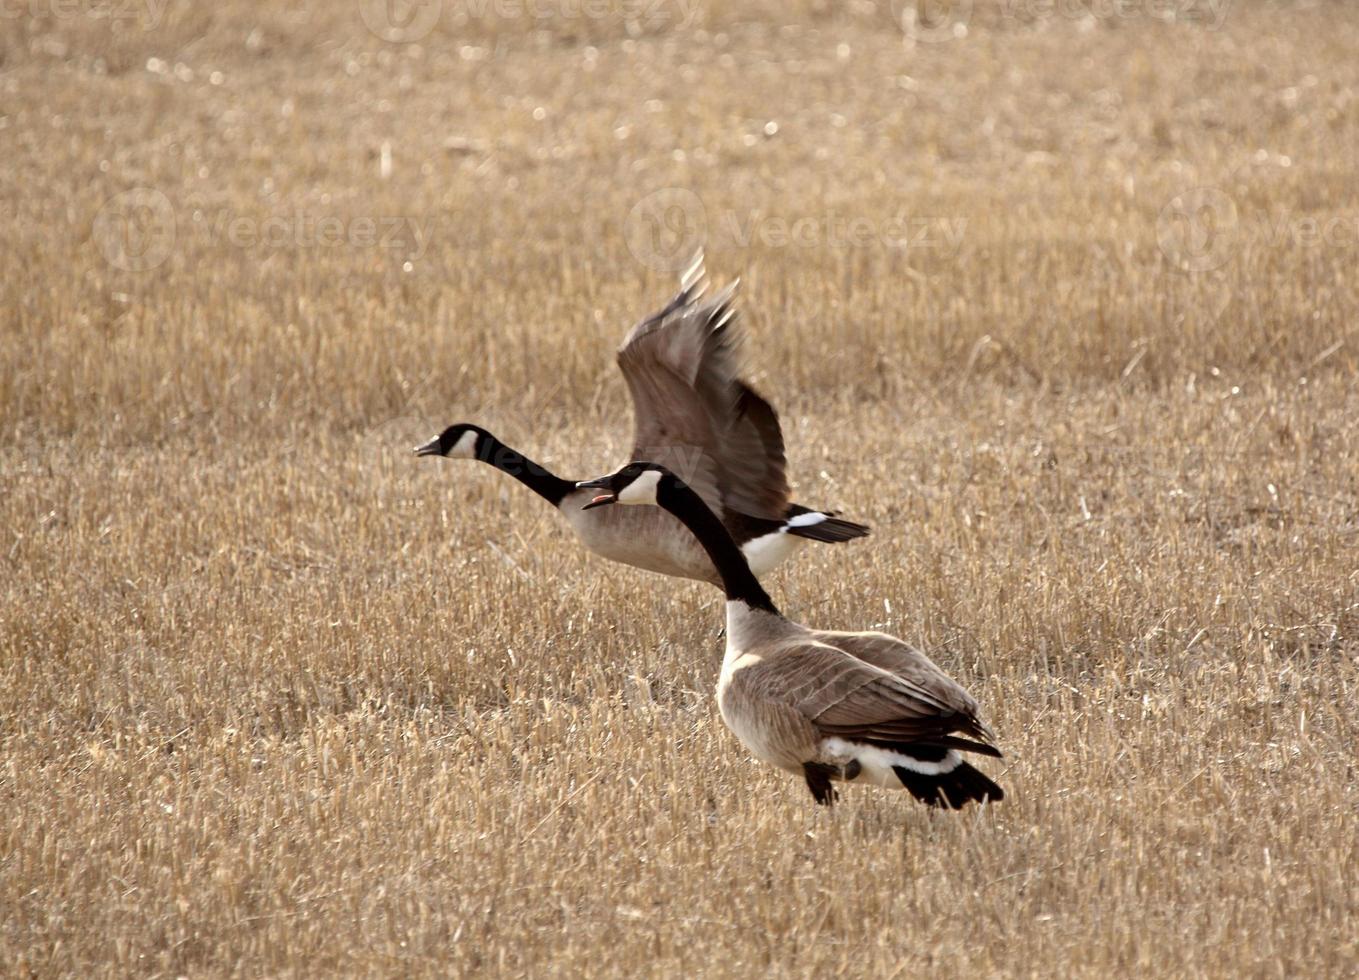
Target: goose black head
x=636, y=483
x=461, y=441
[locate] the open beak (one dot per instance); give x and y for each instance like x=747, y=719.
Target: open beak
x=430, y=448
x=607, y=497
x=602, y=500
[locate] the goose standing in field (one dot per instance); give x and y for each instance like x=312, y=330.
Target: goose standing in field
x=693, y=413
x=827, y=706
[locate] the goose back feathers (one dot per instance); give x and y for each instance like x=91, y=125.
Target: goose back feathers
x=827, y=705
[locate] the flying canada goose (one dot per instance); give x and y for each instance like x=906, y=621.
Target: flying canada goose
x=693, y=413
x=827, y=706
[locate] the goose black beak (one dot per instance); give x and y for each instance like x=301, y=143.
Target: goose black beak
x=605, y=498
x=430, y=448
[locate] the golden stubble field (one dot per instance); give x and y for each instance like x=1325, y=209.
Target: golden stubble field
x=1061, y=299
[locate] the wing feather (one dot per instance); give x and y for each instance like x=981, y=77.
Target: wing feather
x=844, y=695
x=692, y=411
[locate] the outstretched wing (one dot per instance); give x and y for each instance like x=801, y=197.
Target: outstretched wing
x=660, y=360
x=752, y=469
x=692, y=411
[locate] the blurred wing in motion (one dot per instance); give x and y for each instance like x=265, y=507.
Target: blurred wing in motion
x=693, y=413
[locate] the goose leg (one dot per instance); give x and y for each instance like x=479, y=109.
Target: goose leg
x=818, y=776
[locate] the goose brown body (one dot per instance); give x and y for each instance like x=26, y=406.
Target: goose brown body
x=693, y=412
x=847, y=706
x=827, y=705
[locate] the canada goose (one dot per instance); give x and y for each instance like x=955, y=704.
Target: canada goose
x=695, y=414
x=828, y=706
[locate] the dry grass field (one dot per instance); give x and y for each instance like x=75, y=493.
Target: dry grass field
x=1061, y=298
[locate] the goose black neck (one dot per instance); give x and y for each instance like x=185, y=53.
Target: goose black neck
x=738, y=581
x=545, y=484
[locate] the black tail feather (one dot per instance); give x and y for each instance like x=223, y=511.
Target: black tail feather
x=832, y=530
x=950, y=790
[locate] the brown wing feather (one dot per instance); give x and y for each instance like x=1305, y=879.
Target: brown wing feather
x=692, y=411
x=665, y=433
x=753, y=472
x=844, y=695
x=660, y=358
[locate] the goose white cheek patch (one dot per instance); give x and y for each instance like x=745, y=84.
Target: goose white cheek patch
x=465, y=447
x=641, y=490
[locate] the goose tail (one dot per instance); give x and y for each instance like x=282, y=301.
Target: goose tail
x=816, y=525
x=950, y=790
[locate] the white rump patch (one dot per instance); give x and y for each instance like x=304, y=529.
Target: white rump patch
x=465, y=447
x=768, y=550
x=641, y=490
x=877, y=762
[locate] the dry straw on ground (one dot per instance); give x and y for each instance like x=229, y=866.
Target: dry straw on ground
x=277, y=699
